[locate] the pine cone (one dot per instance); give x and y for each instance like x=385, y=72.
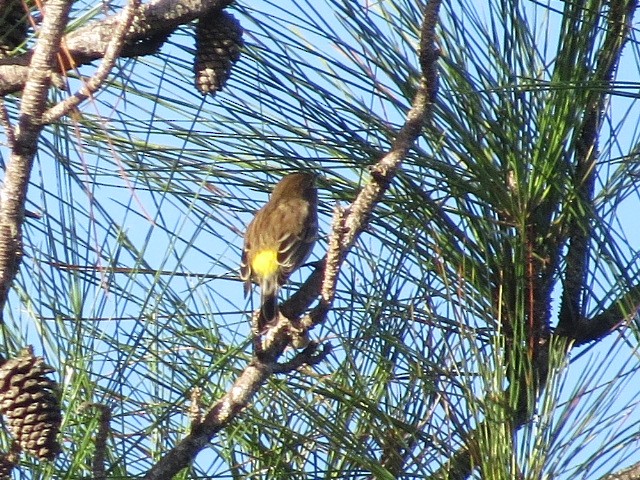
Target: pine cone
x=218, y=44
x=14, y=25
x=8, y=461
x=6, y=466
x=28, y=401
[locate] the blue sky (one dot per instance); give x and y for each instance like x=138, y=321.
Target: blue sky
x=172, y=232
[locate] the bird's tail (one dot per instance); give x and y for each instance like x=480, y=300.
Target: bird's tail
x=268, y=308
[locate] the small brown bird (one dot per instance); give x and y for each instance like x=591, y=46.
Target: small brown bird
x=279, y=240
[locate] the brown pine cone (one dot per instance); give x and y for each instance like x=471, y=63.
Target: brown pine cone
x=218, y=44
x=8, y=461
x=6, y=466
x=29, y=402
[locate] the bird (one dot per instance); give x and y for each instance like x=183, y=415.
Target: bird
x=279, y=240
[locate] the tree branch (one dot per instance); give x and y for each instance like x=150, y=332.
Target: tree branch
x=349, y=227
x=586, y=148
x=571, y=322
x=92, y=85
x=631, y=473
x=618, y=313
x=461, y=464
x=86, y=44
x=16, y=181
x=218, y=416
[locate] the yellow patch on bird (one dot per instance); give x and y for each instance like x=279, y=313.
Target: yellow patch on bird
x=265, y=263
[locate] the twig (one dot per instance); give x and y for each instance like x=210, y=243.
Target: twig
x=309, y=356
x=101, y=437
x=111, y=54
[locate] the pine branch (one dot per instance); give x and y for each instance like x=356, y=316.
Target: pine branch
x=572, y=323
x=152, y=21
x=619, y=312
x=571, y=309
x=349, y=227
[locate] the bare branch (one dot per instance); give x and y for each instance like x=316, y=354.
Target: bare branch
x=309, y=356
x=16, y=181
x=218, y=416
x=104, y=427
x=89, y=43
x=631, y=473
x=112, y=52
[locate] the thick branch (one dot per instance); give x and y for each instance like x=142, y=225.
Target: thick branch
x=89, y=43
x=16, y=181
x=220, y=414
x=618, y=313
x=572, y=309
